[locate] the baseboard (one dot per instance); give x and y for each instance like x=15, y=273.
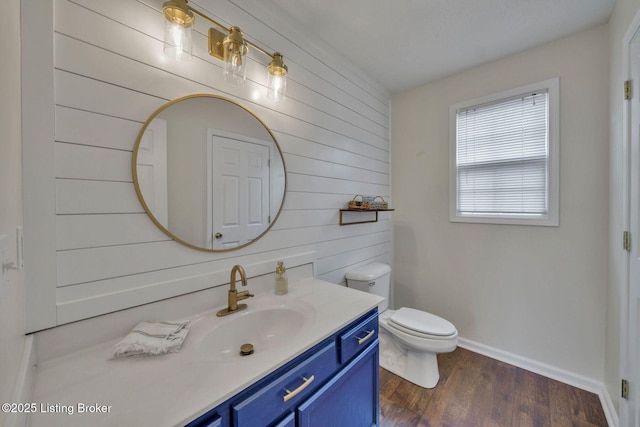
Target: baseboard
x=25, y=381
x=608, y=407
x=549, y=371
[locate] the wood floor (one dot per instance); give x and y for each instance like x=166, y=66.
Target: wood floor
x=475, y=390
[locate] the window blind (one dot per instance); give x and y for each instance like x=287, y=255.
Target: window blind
x=502, y=157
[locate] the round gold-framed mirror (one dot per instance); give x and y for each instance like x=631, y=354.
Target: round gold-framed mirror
x=209, y=173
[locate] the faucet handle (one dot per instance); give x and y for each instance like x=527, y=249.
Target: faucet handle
x=244, y=295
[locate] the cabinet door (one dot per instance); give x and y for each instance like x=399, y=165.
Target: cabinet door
x=349, y=399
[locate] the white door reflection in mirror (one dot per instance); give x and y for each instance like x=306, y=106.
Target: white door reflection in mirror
x=239, y=183
x=152, y=169
x=238, y=199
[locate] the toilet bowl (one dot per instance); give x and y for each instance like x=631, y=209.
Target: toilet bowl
x=410, y=339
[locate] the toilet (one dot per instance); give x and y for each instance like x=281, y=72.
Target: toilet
x=410, y=339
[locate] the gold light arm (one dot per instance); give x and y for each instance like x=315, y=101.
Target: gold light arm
x=213, y=21
x=228, y=30
x=259, y=49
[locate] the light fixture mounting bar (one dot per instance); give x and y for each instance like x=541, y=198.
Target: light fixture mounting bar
x=213, y=21
x=216, y=40
x=258, y=48
x=228, y=30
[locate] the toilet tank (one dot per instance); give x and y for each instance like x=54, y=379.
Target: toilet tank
x=374, y=278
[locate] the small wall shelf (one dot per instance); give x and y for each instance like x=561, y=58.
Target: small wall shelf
x=362, y=211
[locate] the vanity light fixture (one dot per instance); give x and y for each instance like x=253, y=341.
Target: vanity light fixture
x=228, y=45
x=277, y=78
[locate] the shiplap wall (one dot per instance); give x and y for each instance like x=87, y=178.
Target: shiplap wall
x=89, y=247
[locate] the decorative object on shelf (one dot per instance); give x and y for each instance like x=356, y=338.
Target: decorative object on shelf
x=229, y=46
x=378, y=204
x=363, y=203
x=368, y=203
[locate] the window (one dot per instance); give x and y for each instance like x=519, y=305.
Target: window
x=504, y=157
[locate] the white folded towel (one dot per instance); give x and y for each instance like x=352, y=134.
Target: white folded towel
x=152, y=338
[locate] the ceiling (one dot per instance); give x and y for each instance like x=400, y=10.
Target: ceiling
x=403, y=44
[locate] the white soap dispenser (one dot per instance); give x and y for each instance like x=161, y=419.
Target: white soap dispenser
x=282, y=283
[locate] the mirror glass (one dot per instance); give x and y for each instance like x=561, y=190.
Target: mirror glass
x=209, y=173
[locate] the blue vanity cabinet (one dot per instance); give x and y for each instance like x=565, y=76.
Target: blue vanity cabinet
x=357, y=336
x=349, y=399
x=285, y=392
x=335, y=384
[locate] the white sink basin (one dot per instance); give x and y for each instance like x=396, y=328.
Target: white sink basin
x=265, y=328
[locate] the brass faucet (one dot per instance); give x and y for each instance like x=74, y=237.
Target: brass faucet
x=235, y=296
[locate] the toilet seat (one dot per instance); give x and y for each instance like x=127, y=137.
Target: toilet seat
x=421, y=324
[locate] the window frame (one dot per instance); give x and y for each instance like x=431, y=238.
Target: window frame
x=552, y=218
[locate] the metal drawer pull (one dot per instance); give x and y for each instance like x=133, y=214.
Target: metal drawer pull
x=294, y=393
x=366, y=337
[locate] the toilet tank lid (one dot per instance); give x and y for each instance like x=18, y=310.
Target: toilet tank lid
x=368, y=272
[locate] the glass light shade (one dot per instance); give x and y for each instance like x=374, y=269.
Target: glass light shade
x=234, y=69
x=234, y=51
x=177, y=41
x=277, y=78
x=277, y=87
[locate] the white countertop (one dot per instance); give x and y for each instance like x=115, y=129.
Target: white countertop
x=174, y=389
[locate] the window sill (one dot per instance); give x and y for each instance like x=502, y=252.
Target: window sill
x=506, y=220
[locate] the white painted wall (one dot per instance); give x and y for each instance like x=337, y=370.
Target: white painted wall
x=619, y=23
x=92, y=249
x=537, y=292
x=12, y=303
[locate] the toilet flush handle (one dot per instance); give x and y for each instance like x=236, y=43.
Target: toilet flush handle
x=372, y=283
